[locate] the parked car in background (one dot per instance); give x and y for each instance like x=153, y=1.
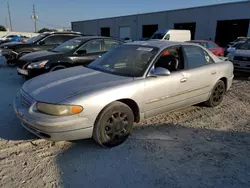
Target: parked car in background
x=172, y=35
x=239, y=39
x=241, y=57
x=144, y=39
x=214, y=48
x=232, y=48
x=128, y=84
x=127, y=39
x=9, y=38
x=74, y=52
x=48, y=40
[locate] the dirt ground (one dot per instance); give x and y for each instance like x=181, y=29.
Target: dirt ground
x=196, y=147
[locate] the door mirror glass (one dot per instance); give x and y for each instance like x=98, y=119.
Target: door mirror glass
x=81, y=52
x=159, y=71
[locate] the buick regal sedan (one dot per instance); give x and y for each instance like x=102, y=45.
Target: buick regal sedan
x=130, y=83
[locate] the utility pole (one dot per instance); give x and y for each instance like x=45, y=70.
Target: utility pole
x=9, y=16
x=6, y=23
x=34, y=17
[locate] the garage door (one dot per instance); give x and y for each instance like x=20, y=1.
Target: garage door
x=125, y=32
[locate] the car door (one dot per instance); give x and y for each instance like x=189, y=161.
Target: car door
x=165, y=93
x=200, y=75
x=88, y=52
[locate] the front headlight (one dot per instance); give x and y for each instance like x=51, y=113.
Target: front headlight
x=39, y=64
x=58, y=110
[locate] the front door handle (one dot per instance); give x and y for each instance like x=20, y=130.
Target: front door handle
x=213, y=72
x=183, y=80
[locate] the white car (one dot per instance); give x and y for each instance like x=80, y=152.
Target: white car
x=127, y=39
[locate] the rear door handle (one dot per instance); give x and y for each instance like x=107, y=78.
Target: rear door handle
x=183, y=80
x=213, y=72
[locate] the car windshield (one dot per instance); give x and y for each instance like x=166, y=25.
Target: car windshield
x=240, y=39
x=237, y=45
x=68, y=46
x=35, y=39
x=245, y=45
x=158, y=36
x=125, y=60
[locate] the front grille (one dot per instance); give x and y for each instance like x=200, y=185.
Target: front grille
x=25, y=99
x=240, y=58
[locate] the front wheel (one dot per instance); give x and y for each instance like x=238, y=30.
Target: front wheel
x=113, y=125
x=217, y=94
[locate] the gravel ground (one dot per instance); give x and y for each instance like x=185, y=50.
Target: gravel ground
x=194, y=147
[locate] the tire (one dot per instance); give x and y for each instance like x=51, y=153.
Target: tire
x=113, y=125
x=217, y=94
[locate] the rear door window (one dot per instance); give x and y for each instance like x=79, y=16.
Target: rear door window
x=196, y=56
x=93, y=46
x=211, y=45
x=58, y=39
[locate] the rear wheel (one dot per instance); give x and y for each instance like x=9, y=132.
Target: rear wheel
x=216, y=95
x=113, y=125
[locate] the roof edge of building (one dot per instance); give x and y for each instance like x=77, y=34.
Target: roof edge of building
x=173, y=10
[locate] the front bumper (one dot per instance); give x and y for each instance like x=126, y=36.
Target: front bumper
x=53, y=127
x=31, y=72
x=241, y=66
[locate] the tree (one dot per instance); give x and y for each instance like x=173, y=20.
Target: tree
x=2, y=28
x=45, y=30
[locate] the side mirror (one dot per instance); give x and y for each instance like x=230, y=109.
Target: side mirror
x=81, y=52
x=41, y=43
x=159, y=71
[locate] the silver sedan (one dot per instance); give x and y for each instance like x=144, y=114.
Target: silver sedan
x=130, y=83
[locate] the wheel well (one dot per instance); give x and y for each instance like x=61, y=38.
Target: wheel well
x=23, y=52
x=225, y=81
x=134, y=107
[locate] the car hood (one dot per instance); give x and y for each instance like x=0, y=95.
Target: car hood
x=60, y=85
x=243, y=53
x=40, y=55
x=10, y=44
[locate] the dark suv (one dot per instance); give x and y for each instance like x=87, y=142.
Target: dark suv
x=45, y=41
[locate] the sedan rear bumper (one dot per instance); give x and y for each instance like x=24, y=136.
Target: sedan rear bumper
x=53, y=127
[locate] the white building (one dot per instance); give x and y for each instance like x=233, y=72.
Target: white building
x=222, y=23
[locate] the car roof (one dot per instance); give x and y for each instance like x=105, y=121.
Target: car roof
x=161, y=44
x=94, y=37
